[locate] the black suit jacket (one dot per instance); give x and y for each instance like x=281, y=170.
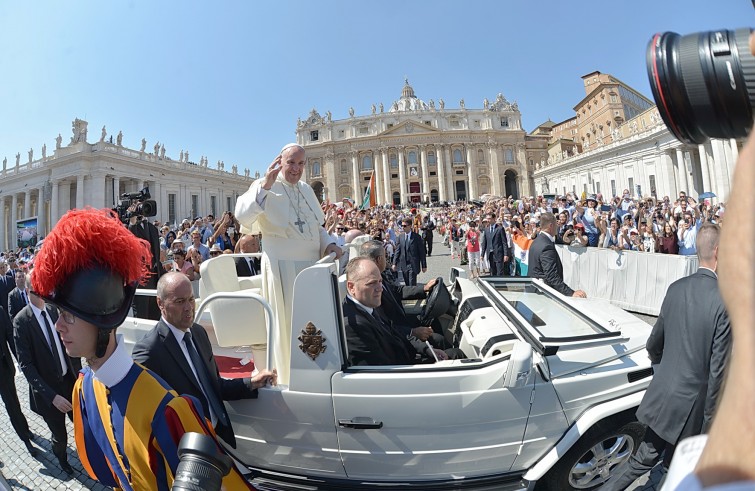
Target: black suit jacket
x=242, y=267
x=37, y=363
x=15, y=302
x=544, y=263
x=159, y=351
x=7, y=284
x=7, y=367
x=690, y=342
x=150, y=233
x=410, y=253
x=495, y=242
x=392, y=297
x=370, y=343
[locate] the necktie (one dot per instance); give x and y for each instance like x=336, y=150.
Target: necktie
x=251, y=266
x=52, y=345
x=23, y=295
x=204, y=380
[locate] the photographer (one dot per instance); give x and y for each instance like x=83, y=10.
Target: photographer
x=225, y=232
x=146, y=307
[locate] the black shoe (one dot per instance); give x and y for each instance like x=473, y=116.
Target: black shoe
x=66, y=468
x=31, y=449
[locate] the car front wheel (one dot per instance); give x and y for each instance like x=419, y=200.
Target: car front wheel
x=595, y=458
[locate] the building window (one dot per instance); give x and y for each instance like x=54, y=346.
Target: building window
x=631, y=186
x=367, y=162
x=508, y=155
x=363, y=130
x=454, y=123
x=396, y=198
x=597, y=186
x=394, y=176
x=171, y=208
x=389, y=125
x=457, y=156
x=504, y=122
x=476, y=123
x=614, y=99
x=344, y=167
x=432, y=172
x=394, y=161
x=480, y=156
x=412, y=157
x=584, y=188
x=194, y=205
x=613, y=188
x=428, y=123
x=459, y=172
x=652, y=185
x=316, y=170
x=214, y=205
x=431, y=158
x=314, y=135
x=340, y=133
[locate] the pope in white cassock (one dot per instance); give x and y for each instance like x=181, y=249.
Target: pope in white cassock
x=289, y=216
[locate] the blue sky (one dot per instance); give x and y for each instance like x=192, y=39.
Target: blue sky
x=228, y=79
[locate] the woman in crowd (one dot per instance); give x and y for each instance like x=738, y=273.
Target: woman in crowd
x=225, y=232
x=667, y=242
x=648, y=238
x=473, y=249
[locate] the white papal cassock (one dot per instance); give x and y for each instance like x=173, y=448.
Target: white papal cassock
x=290, y=219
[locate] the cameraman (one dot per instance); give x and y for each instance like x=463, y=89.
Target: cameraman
x=146, y=307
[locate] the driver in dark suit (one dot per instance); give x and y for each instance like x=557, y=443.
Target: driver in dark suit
x=410, y=254
x=495, y=246
x=690, y=345
x=544, y=262
x=370, y=336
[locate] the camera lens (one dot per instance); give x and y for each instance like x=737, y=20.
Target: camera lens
x=703, y=83
x=201, y=466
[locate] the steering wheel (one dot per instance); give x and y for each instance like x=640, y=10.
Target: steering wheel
x=438, y=303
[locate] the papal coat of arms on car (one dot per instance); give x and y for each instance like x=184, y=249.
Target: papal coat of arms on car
x=312, y=341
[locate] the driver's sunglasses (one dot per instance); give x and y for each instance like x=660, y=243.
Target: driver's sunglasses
x=68, y=317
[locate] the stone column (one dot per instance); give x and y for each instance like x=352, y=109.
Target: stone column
x=425, y=174
x=441, y=163
x=79, y=191
x=41, y=212
x=13, y=219
x=97, y=192
x=704, y=171
x=357, y=197
x=683, y=174
x=720, y=170
x=332, y=173
x=3, y=226
x=54, y=208
x=402, y=175
x=116, y=190
x=471, y=175
x=450, y=190
x=65, y=198
x=493, y=157
x=386, y=184
x=377, y=168
x=668, y=172
x=734, y=157
x=27, y=204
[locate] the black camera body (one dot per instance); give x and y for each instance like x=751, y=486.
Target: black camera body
x=141, y=203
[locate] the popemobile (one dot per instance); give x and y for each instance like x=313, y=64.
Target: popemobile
x=544, y=400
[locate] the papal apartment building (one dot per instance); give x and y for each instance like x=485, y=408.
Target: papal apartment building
x=617, y=140
x=83, y=174
x=421, y=151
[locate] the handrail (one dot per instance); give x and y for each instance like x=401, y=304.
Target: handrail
x=270, y=323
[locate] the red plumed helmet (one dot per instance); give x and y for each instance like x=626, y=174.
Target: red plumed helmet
x=90, y=265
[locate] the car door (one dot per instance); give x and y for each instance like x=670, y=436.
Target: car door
x=428, y=421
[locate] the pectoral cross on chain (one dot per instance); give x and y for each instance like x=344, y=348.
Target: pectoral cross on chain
x=299, y=222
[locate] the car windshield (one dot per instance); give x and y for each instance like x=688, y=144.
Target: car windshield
x=548, y=316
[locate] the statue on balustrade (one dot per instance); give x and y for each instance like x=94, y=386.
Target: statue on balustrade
x=181, y=156
x=486, y=104
x=31, y=155
x=162, y=152
x=119, y=139
x=144, y=145
x=186, y=156
x=461, y=104
x=58, y=142
x=381, y=107
x=329, y=116
x=156, y=148
x=5, y=162
x=103, y=134
x=373, y=109
x=442, y=103
x=18, y=159
x=431, y=104
x=351, y=112
x=235, y=169
x=44, y=150
x=79, y=129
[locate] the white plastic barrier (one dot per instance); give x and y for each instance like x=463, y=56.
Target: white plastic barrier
x=635, y=281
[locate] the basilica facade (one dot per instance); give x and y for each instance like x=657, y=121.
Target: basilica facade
x=421, y=151
x=40, y=190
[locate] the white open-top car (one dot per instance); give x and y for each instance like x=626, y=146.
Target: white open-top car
x=544, y=400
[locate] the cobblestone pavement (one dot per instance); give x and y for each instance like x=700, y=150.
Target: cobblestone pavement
x=24, y=472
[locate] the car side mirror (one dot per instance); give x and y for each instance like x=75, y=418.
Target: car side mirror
x=519, y=367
